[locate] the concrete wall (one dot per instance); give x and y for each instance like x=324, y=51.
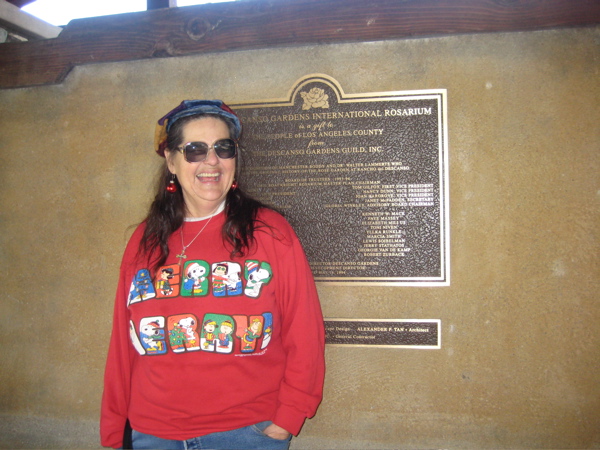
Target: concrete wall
x=520, y=339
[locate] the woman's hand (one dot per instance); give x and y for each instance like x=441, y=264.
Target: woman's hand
x=276, y=432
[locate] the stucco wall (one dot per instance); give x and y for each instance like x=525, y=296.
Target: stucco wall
x=520, y=340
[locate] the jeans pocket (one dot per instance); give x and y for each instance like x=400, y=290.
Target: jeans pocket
x=259, y=428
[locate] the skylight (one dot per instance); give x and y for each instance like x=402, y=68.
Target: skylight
x=60, y=12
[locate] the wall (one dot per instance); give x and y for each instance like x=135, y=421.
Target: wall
x=520, y=340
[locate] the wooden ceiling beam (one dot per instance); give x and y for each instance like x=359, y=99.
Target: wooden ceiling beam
x=256, y=24
x=20, y=3
x=29, y=27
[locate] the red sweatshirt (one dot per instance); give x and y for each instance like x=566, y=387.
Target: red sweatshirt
x=214, y=343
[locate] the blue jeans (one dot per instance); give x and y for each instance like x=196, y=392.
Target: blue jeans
x=247, y=438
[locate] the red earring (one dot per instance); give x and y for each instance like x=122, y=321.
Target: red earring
x=171, y=187
x=234, y=185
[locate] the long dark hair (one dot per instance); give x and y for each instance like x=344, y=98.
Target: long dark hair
x=167, y=212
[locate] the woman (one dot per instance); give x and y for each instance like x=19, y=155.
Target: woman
x=231, y=355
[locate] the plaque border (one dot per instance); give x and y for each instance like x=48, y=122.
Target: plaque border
x=441, y=96
x=438, y=322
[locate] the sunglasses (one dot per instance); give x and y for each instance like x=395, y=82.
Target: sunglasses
x=197, y=151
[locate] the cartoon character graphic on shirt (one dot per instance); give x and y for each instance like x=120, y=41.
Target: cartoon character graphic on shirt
x=256, y=274
x=182, y=333
x=225, y=337
x=135, y=340
x=226, y=279
x=141, y=287
x=268, y=330
x=152, y=335
x=208, y=335
x=216, y=333
x=251, y=334
x=163, y=284
x=195, y=282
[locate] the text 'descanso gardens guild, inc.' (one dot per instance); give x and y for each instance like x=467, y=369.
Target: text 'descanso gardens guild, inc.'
x=362, y=178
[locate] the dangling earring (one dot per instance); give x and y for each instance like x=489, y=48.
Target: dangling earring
x=234, y=185
x=171, y=187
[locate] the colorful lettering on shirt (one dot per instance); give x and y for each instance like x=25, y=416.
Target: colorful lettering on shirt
x=152, y=335
x=249, y=330
x=226, y=280
x=182, y=333
x=195, y=278
x=167, y=281
x=141, y=287
x=225, y=337
x=135, y=340
x=268, y=330
x=216, y=333
x=256, y=274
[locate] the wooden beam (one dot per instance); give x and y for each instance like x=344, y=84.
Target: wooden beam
x=20, y=3
x=255, y=24
x=13, y=19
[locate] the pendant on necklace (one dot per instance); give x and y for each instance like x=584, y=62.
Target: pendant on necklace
x=181, y=256
x=184, y=247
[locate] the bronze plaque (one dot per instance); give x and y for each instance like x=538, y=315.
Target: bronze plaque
x=363, y=179
x=396, y=333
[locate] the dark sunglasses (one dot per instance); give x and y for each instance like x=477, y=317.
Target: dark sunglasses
x=197, y=151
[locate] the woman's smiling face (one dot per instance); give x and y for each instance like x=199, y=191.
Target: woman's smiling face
x=204, y=184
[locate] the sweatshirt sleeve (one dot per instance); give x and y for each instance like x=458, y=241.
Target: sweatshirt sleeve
x=303, y=341
x=117, y=375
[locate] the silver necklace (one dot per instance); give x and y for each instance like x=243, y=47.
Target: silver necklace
x=184, y=247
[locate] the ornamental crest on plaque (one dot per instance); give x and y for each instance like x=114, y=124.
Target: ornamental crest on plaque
x=315, y=98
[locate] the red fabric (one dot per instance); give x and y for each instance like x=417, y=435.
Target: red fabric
x=206, y=388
